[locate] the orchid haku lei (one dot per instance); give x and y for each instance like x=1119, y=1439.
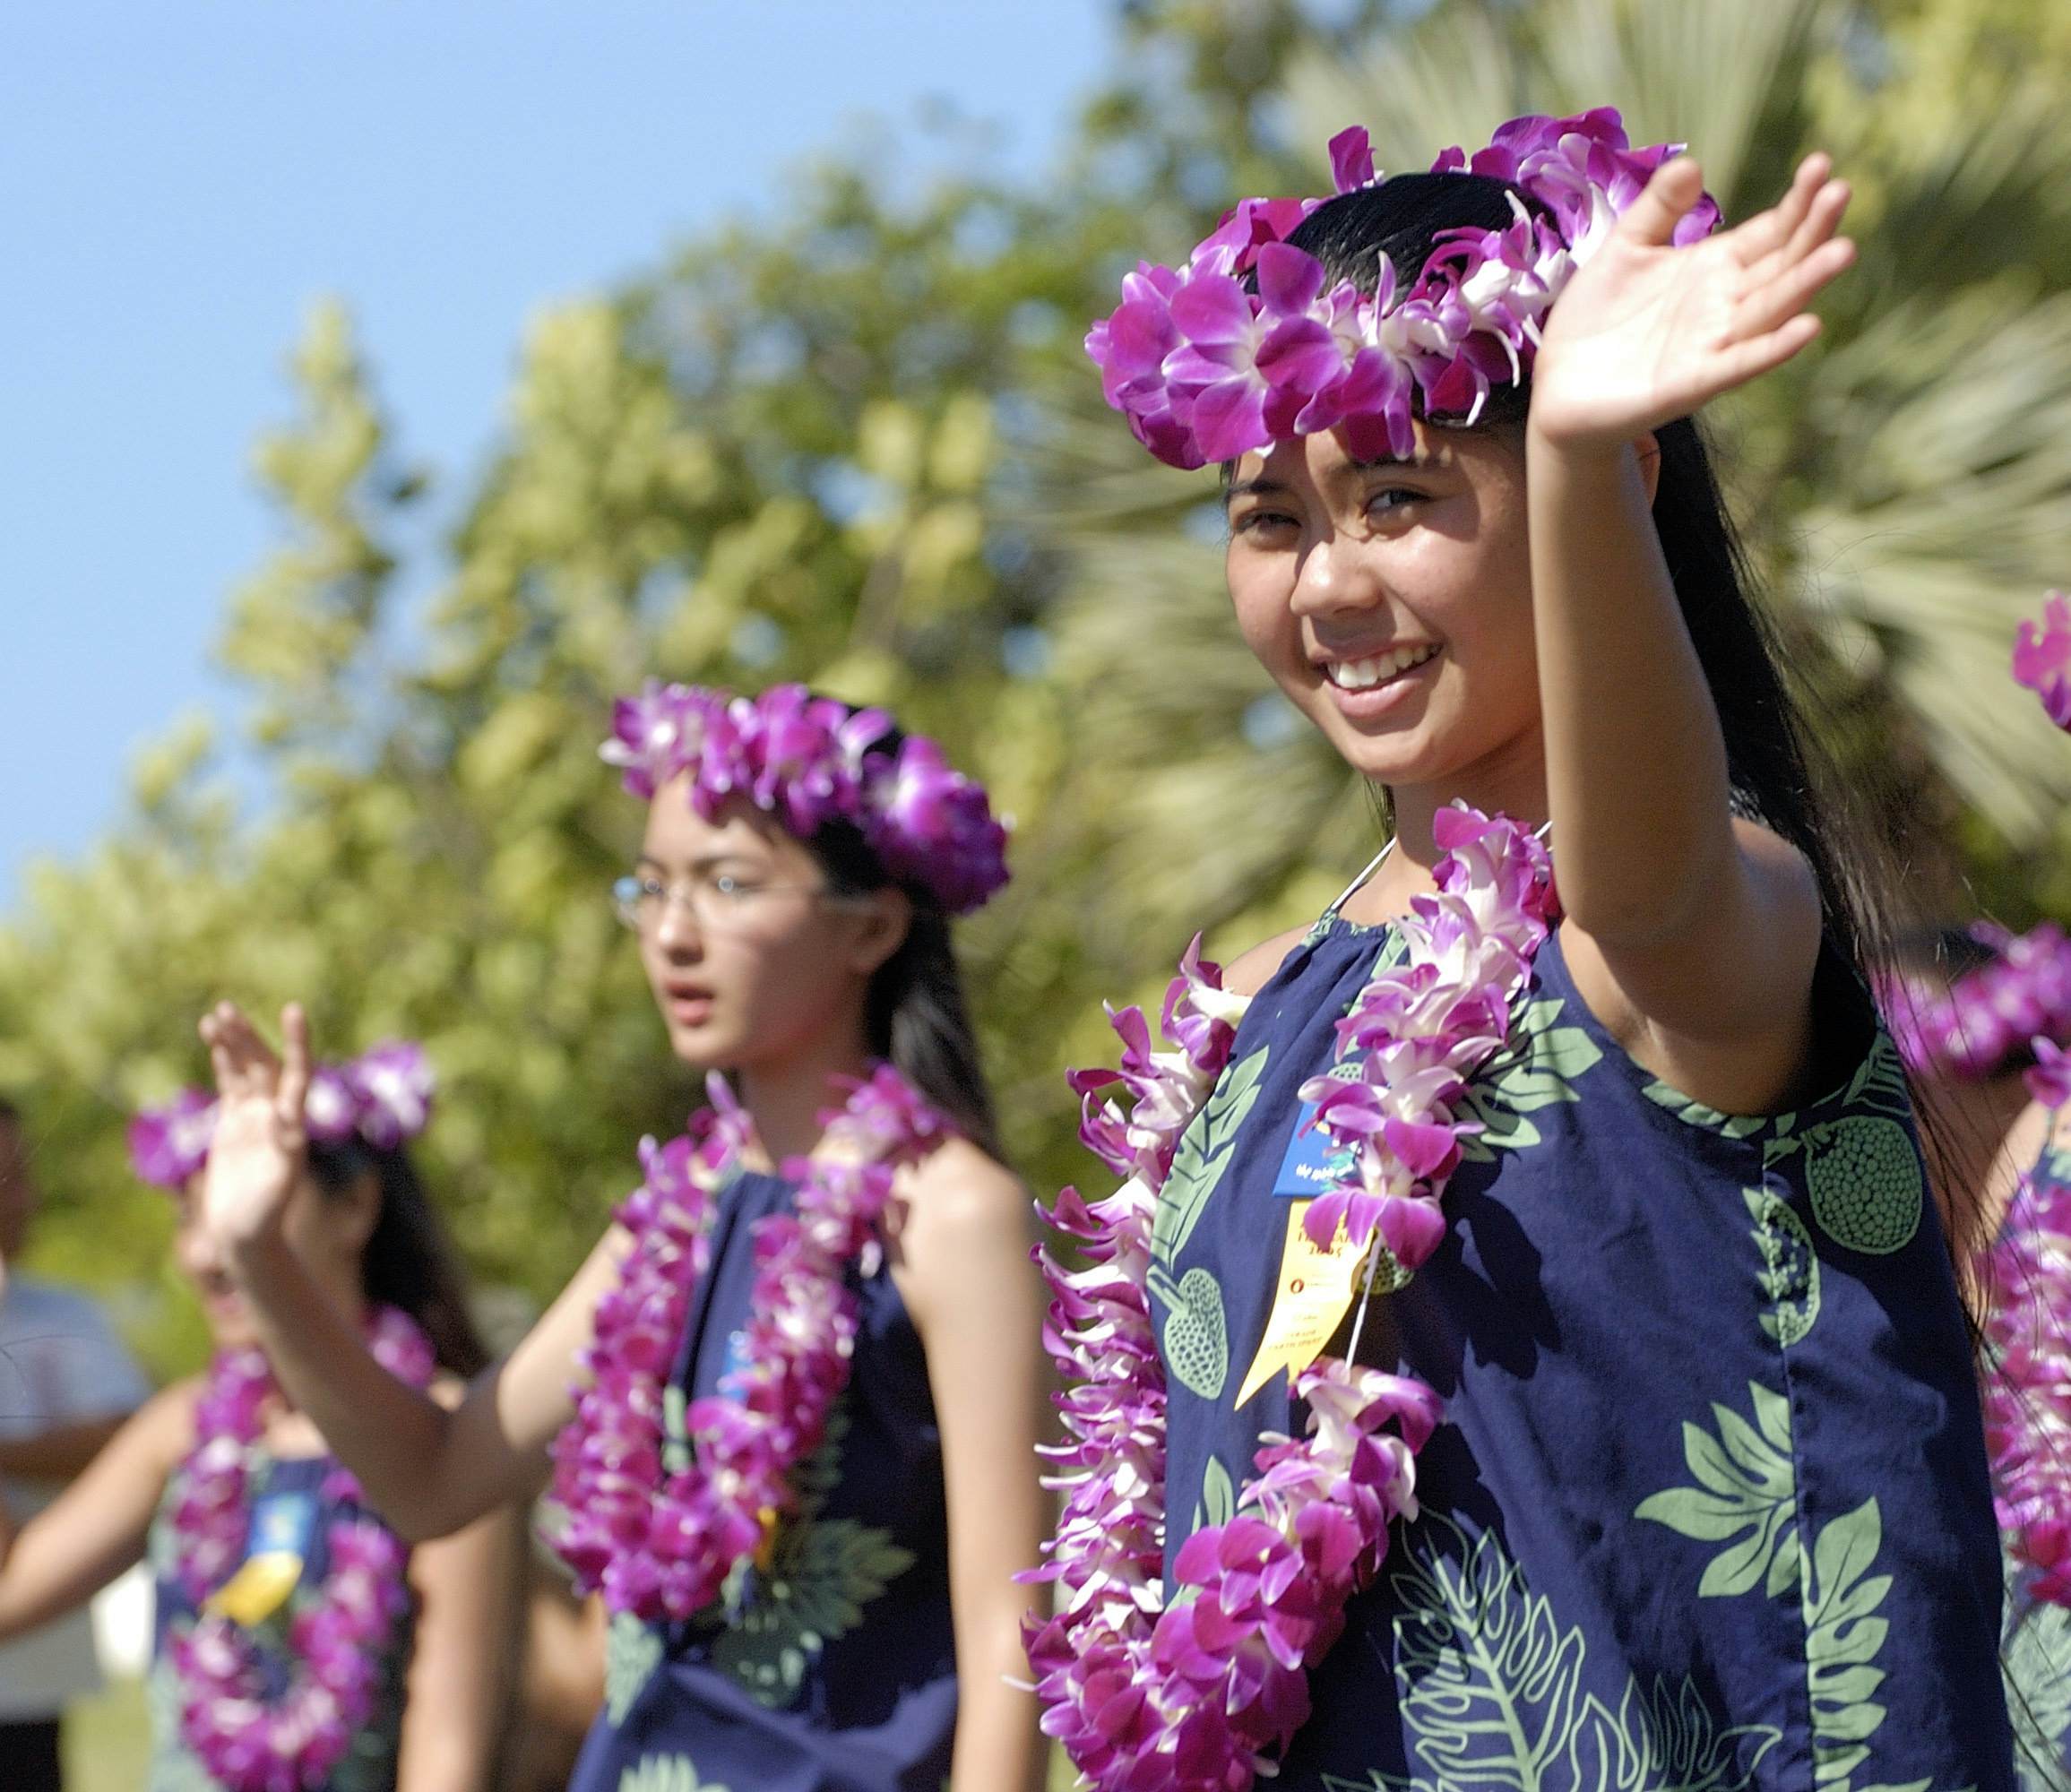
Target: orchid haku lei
x=809, y=761
x=2042, y=658
x=342, y=1638
x=1248, y=343
x=1201, y=1690
x=660, y=1541
x=383, y=1098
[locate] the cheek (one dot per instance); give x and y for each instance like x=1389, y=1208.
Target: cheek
x=1259, y=593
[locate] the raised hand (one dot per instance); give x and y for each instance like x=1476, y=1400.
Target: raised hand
x=1646, y=333
x=260, y=1148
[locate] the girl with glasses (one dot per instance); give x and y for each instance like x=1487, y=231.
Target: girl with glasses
x=788, y=1405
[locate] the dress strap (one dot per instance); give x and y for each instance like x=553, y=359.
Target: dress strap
x=1361, y=882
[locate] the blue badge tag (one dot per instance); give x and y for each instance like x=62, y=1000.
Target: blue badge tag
x=282, y=1524
x=1312, y=1162
x=737, y=1354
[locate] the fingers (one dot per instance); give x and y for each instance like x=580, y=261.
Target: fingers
x=1651, y=218
x=1759, y=355
x=241, y=1060
x=294, y=1085
x=1770, y=306
x=1766, y=232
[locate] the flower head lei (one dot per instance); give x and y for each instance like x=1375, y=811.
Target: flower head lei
x=810, y=760
x=662, y=1531
x=382, y=1098
x=254, y=1731
x=1249, y=342
x=2042, y=658
x=2019, y=1002
x=1195, y=1692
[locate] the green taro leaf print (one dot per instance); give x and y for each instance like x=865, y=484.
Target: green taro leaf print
x=666, y=1774
x=1538, y=1067
x=1745, y=1498
x=1204, y=1156
x=1492, y=1697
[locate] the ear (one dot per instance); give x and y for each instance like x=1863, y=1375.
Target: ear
x=1648, y=448
x=882, y=918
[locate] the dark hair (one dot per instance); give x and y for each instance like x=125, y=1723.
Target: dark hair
x=1778, y=774
x=915, y=1016
x=409, y=1262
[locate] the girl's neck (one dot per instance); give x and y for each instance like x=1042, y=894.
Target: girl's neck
x=786, y=1099
x=1511, y=782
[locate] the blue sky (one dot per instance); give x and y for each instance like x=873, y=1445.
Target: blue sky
x=178, y=183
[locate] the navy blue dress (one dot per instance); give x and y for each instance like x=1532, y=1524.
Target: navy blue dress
x=294, y=1488
x=1708, y=1507
x=833, y=1671
x=2036, y=1652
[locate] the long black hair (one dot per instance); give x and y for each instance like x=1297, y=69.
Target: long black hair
x=915, y=1016
x=408, y=1261
x=1777, y=771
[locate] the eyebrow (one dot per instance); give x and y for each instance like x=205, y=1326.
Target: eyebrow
x=708, y=862
x=1264, y=484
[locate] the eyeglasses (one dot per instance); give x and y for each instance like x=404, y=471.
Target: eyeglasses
x=717, y=900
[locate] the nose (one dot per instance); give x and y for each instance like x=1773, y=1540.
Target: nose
x=198, y=1254
x=1333, y=577
x=677, y=932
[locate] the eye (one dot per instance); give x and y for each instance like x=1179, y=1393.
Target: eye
x=1391, y=498
x=730, y=886
x=1257, y=522
x=649, y=888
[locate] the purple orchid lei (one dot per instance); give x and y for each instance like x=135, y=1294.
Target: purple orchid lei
x=340, y=1638
x=1197, y=1693
x=661, y=1542
x=808, y=760
x=2042, y=658
x=2020, y=1000
x=2027, y=1404
x=382, y=1097
x=1246, y=344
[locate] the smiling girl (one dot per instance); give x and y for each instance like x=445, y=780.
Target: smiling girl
x=302, y=1645
x=1548, y=1370
x=790, y=1401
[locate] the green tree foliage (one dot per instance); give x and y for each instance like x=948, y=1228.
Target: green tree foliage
x=858, y=444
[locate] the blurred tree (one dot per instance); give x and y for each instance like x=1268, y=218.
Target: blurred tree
x=859, y=445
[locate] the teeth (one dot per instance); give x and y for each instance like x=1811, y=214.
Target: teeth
x=1363, y=675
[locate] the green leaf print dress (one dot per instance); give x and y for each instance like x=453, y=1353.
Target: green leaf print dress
x=1708, y=1509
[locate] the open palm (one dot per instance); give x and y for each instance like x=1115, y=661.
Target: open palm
x=1646, y=333
x=260, y=1146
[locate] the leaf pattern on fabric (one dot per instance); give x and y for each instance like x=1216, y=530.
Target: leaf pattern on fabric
x=1538, y=1067
x=1789, y=1272
x=1745, y=1497
x=1863, y=1173
x=632, y=1650
x=2036, y=1663
x=665, y=1773
x=1492, y=1696
x=1204, y=1155
x=1196, y=1330
x=1217, y=1500
x=821, y=1574
x=1843, y=1636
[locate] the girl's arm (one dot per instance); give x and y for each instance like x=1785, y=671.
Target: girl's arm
x=1694, y=937
x=963, y=1268
x=429, y=1469
x=98, y=1526
x=470, y=1630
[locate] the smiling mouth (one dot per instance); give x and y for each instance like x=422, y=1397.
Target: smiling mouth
x=1364, y=675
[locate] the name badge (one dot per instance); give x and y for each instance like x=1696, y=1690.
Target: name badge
x=1312, y=1161
x=276, y=1546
